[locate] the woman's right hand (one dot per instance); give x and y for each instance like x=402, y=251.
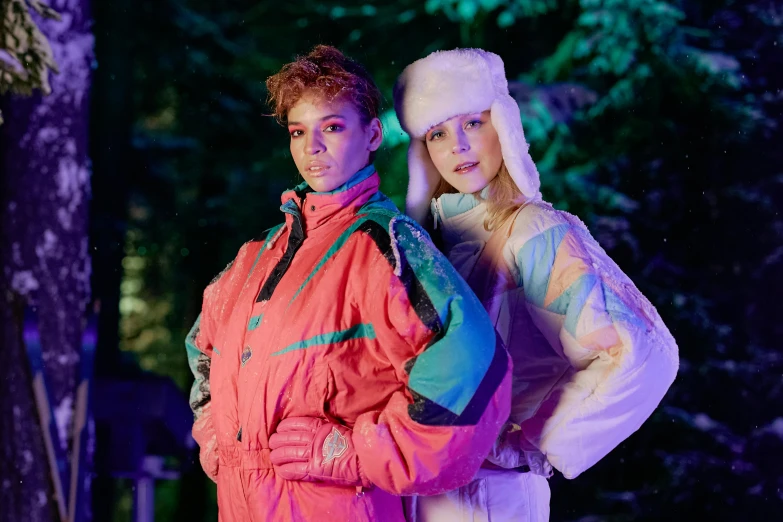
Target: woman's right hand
x=315, y=450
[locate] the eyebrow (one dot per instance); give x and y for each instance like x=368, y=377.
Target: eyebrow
x=329, y=117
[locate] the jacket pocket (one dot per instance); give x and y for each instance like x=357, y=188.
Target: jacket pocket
x=329, y=392
x=318, y=389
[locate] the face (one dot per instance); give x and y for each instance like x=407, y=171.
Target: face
x=466, y=151
x=329, y=142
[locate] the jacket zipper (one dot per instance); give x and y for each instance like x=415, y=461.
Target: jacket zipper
x=295, y=240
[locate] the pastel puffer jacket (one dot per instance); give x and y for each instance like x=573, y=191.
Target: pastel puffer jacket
x=591, y=357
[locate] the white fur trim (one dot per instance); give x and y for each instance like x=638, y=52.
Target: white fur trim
x=423, y=179
x=508, y=124
x=446, y=84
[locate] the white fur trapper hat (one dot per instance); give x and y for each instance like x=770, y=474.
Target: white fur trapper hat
x=446, y=84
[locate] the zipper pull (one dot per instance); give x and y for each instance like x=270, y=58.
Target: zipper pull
x=239, y=434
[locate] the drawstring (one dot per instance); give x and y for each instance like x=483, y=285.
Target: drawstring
x=437, y=213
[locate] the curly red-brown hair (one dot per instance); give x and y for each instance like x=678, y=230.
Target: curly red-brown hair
x=329, y=74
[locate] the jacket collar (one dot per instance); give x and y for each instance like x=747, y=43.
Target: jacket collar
x=318, y=208
x=460, y=217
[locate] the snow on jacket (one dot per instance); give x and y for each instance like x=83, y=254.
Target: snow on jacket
x=591, y=357
x=349, y=313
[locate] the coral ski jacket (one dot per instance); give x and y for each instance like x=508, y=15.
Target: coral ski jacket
x=346, y=312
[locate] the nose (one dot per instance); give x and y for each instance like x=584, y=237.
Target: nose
x=314, y=144
x=461, y=143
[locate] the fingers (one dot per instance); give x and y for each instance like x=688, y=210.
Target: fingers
x=292, y=471
x=297, y=445
x=295, y=438
x=299, y=424
x=289, y=454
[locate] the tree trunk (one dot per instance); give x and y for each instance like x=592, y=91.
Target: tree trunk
x=45, y=260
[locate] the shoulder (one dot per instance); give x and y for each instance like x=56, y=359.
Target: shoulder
x=537, y=218
x=542, y=234
x=243, y=263
x=406, y=246
x=539, y=225
x=266, y=236
x=392, y=229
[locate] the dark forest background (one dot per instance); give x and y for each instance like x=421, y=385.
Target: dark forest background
x=658, y=123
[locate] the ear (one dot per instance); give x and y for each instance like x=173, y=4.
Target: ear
x=375, y=134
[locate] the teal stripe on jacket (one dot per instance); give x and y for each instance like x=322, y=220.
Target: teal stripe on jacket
x=571, y=302
x=359, y=331
x=535, y=261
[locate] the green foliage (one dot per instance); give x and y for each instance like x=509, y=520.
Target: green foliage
x=25, y=54
x=507, y=11
x=626, y=52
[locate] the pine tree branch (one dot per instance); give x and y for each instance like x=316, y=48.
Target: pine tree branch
x=25, y=54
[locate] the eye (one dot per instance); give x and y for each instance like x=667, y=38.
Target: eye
x=296, y=133
x=472, y=124
x=436, y=135
x=333, y=128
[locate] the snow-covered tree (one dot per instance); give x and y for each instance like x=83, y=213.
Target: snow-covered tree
x=44, y=196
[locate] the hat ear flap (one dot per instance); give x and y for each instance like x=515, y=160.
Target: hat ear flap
x=423, y=180
x=507, y=121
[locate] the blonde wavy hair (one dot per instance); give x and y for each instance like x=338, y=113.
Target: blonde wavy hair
x=503, y=198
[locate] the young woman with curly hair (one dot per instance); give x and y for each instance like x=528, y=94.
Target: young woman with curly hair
x=340, y=361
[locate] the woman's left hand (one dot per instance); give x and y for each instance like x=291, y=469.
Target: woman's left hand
x=315, y=450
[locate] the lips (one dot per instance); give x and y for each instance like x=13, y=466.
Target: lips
x=466, y=166
x=316, y=166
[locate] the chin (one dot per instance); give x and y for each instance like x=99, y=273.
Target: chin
x=325, y=184
x=333, y=179
x=471, y=186
x=319, y=185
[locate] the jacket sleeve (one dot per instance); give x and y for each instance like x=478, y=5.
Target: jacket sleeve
x=199, y=345
x=199, y=351
x=454, y=374
x=623, y=357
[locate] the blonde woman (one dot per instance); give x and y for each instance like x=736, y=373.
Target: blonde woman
x=592, y=358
